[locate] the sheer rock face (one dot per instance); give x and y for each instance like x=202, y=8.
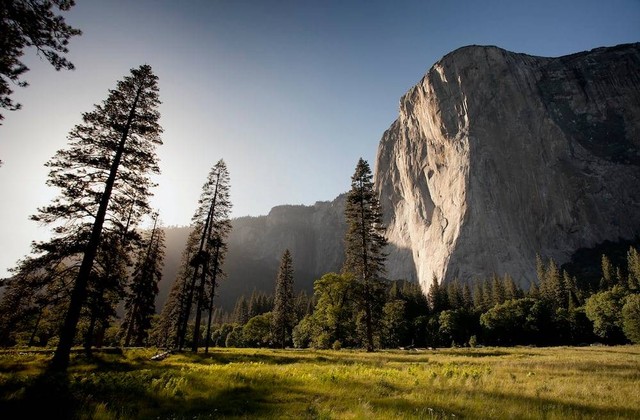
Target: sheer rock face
x=497, y=156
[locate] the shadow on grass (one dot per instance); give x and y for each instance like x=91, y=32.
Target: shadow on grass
x=125, y=395
x=535, y=407
x=45, y=396
x=542, y=407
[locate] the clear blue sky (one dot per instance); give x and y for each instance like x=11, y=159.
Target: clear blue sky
x=289, y=93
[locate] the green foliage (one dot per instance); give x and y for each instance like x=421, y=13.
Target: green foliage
x=437, y=296
x=334, y=314
x=631, y=318
x=395, y=326
x=219, y=337
x=235, y=338
x=258, y=331
x=305, y=332
x=517, y=321
x=456, y=326
x=633, y=265
x=604, y=310
x=473, y=341
x=284, y=314
x=241, y=311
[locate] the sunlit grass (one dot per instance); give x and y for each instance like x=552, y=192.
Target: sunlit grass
x=586, y=382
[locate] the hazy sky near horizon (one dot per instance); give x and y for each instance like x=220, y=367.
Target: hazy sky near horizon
x=290, y=93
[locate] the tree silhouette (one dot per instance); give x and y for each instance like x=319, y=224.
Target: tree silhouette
x=211, y=222
x=101, y=175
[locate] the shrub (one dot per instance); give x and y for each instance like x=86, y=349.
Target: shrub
x=235, y=338
x=473, y=341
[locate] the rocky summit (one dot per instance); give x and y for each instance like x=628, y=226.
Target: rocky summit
x=497, y=156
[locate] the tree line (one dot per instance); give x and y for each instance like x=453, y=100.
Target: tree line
x=358, y=308
x=556, y=310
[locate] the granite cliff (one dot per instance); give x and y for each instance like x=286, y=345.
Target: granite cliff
x=497, y=156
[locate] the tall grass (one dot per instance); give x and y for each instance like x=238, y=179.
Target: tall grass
x=552, y=383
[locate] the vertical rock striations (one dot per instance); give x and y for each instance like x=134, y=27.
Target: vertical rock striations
x=497, y=156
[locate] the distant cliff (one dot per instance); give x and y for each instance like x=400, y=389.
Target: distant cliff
x=497, y=156
x=314, y=235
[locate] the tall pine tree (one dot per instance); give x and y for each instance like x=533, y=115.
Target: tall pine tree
x=283, y=309
x=364, y=241
x=211, y=222
x=104, y=169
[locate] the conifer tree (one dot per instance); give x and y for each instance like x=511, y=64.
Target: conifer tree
x=454, y=294
x=364, y=241
x=103, y=170
x=541, y=271
x=467, y=297
x=211, y=221
x=241, y=311
x=487, y=294
x=608, y=273
x=283, y=309
x=498, y=291
x=143, y=288
x=511, y=289
x=259, y=303
x=437, y=296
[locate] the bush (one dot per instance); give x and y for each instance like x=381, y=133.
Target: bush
x=235, y=338
x=303, y=333
x=257, y=331
x=473, y=341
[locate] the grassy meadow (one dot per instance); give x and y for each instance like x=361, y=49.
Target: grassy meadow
x=552, y=383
